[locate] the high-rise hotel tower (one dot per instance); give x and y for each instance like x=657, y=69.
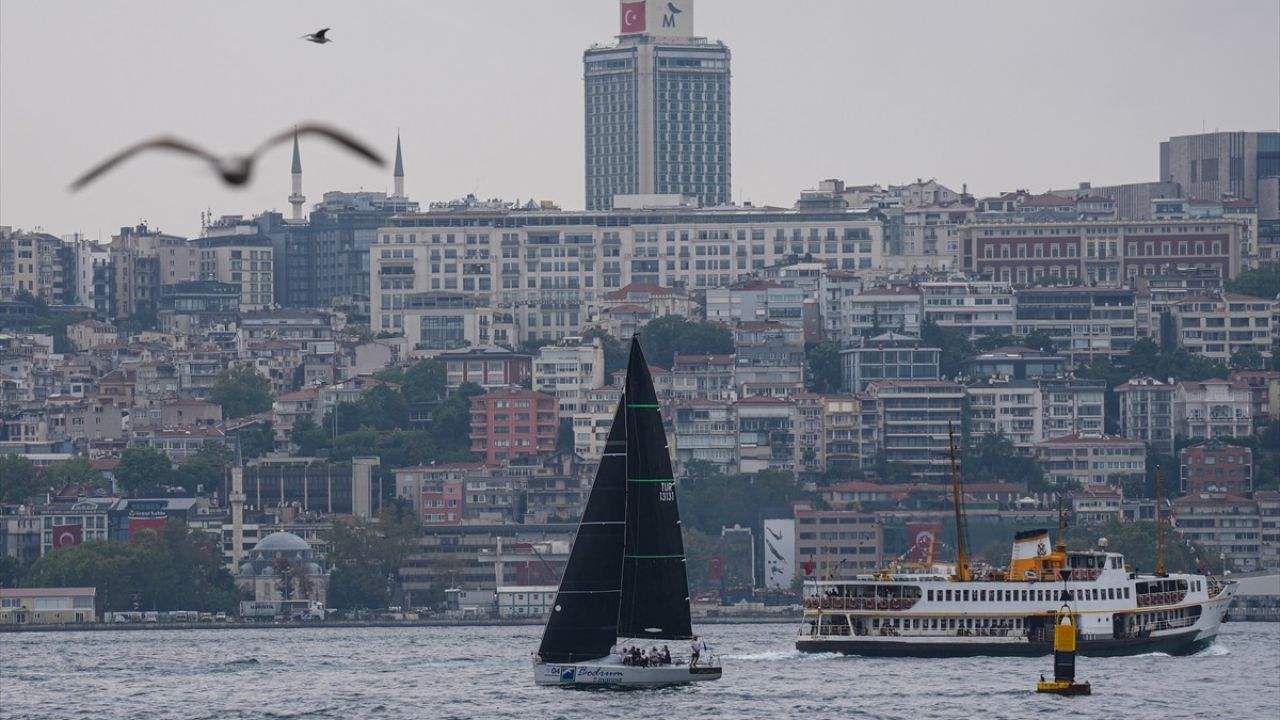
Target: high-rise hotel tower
x=657, y=109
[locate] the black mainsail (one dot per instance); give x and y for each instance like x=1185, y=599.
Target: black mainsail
x=626, y=572
x=583, y=622
x=655, y=588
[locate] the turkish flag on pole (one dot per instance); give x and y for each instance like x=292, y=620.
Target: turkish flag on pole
x=66, y=535
x=632, y=17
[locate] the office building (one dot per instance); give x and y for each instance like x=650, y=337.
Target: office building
x=657, y=109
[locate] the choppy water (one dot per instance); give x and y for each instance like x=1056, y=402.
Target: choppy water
x=429, y=673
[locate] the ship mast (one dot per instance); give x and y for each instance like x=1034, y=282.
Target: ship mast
x=1159, y=528
x=962, y=555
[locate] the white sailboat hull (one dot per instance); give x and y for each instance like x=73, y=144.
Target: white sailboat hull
x=608, y=672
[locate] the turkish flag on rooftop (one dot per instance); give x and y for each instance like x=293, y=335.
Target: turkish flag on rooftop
x=632, y=17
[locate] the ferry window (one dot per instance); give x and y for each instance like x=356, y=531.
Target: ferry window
x=1126, y=593
x=1111, y=593
x=1024, y=595
x=966, y=596
x=982, y=596
x=948, y=596
x=915, y=623
x=930, y=597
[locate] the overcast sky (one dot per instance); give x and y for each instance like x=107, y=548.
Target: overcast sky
x=488, y=95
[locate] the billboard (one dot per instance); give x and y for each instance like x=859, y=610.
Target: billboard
x=656, y=18
x=779, y=553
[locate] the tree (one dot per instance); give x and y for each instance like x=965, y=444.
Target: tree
x=76, y=471
x=1248, y=359
x=954, y=344
x=1260, y=282
x=1137, y=542
x=826, y=373
x=382, y=408
x=256, y=439
x=564, y=435
x=241, y=391
x=367, y=555
x=17, y=479
x=309, y=437
x=206, y=470
x=995, y=458
x=174, y=568
x=615, y=353
x=710, y=500
x=1040, y=340
x=670, y=335
x=143, y=469
x=425, y=381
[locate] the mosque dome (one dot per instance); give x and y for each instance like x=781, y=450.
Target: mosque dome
x=282, y=542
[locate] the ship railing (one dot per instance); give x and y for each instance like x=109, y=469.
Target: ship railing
x=840, y=602
x=1157, y=625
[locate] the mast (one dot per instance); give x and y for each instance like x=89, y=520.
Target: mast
x=1062, y=527
x=1159, y=528
x=962, y=554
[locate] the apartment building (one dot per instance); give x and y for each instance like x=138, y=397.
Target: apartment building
x=1013, y=408
x=1219, y=326
x=979, y=307
x=1146, y=412
x=888, y=356
x=1091, y=459
x=511, y=422
x=547, y=272
x=914, y=418
x=1227, y=527
x=1212, y=408
x=1086, y=323
x=1215, y=466
x=568, y=370
x=1072, y=406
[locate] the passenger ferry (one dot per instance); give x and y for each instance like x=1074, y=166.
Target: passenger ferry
x=939, y=611
x=936, y=613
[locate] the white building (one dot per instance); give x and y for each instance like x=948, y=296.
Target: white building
x=1212, y=408
x=437, y=320
x=1091, y=459
x=875, y=311
x=756, y=300
x=981, y=307
x=1072, y=406
x=1146, y=412
x=1012, y=407
x=546, y=272
x=1219, y=326
x=568, y=370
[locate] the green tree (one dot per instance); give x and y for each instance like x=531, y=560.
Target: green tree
x=367, y=555
x=143, y=469
x=995, y=458
x=1260, y=282
x=17, y=479
x=670, y=335
x=564, y=435
x=826, y=373
x=241, y=391
x=108, y=566
x=309, y=437
x=615, y=353
x=1248, y=359
x=206, y=470
x=954, y=344
x=425, y=381
x=76, y=471
x=710, y=500
x=382, y=408
x=255, y=439
x=1040, y=340
x=1137, y=542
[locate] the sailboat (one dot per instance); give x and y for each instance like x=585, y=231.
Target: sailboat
x=626, y=573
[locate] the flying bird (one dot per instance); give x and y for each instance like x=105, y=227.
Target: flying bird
x=234, y=169
x=318, y=37
x=674, y=10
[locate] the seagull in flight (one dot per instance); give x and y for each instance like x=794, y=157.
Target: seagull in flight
x=235, y=170
x=318, y=37
x=673, y=9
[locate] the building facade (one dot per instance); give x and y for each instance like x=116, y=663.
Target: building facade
x=657, y=109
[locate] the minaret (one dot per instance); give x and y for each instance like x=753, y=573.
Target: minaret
x=399, y=173
x=297, y=198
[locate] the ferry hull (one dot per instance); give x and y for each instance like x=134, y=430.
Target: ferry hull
x=1185, y=643
x=607, y=674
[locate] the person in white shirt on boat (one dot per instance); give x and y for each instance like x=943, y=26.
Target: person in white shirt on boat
x=695, y=650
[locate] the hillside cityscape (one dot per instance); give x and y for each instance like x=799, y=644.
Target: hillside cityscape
x=379, y=406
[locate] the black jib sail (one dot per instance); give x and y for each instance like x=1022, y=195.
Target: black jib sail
x=655, y=588
x=583, y=623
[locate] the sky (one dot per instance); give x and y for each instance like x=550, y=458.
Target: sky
x=487, y=95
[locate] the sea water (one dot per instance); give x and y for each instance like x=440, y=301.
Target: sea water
x=428, y=673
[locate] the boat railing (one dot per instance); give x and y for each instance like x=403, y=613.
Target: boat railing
x=1162, y=598
x=1175, y=623
x=840, y=602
